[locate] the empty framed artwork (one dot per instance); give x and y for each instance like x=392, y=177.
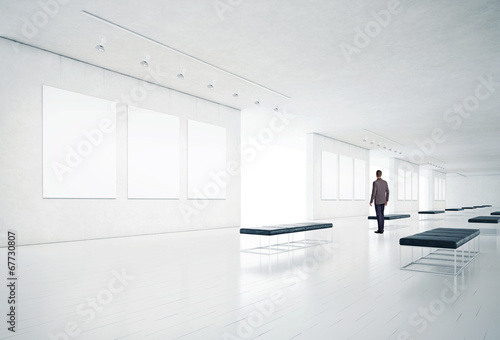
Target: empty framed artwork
x=346, y=178
x=207, y=175
x=329, y=176
x=408, y=183
x=401, y=184
x=153, y=154
x=414, y=186
x=359, y=179
x=79, y=145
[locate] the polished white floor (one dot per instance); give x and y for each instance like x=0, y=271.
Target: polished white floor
x=198, y=285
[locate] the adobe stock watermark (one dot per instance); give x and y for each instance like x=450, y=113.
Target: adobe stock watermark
x=220, y=180
x=423, y=316
x=292, y=279
x=94, y=305
x=223, y=6
x=76, y=155
x=456, y=116
x=372, y=29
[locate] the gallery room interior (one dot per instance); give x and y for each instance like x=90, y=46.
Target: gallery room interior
x=204, y=169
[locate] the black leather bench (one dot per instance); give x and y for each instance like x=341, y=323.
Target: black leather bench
x=454, y=209
x=285, y=228
x=477, y=206
x=431, y=212
x=485, y=219
x=487, y=206
x=282, y=229
x=495, y=213
x=391, y=216
x=467, y=208
x=446, y=241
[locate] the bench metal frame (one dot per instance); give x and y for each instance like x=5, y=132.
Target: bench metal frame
x=444, y=259
x=290, y=245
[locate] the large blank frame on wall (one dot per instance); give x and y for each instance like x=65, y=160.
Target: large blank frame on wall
x=346, y=182
x=401, y=184
x=207, y=175
x=153, y=154
x=359, y=179
x=414, y=186
x=329, y=176
x=79, y=145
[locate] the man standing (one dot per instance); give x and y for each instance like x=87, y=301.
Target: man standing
x=380, y=193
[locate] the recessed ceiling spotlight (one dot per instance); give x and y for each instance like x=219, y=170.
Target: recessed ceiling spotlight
x=145, y=61
x=372, y=142
x=365, y=139
x=211, y=85
x=390, y=149
x=276, y=109
x=379, y=144
x=236, y=94
x=257, y=102
x=181, y=74
x=400, y=152
x=385, y=147
x=102, y=43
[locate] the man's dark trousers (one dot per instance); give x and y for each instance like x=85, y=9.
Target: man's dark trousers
x=379, y=210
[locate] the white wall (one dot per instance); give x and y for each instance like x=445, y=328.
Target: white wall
x=472, y=190
x=317, y=208
x=437, y=204
x=39, y=220
x=273, y=175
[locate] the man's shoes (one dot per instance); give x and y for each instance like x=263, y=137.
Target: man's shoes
x=379, y=232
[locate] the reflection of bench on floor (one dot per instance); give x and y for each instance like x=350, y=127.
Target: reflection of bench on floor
x=454, y=209
x=390, y=216
x=446, y=241
x=495, y=213
x=285, y=229
x=485, y=219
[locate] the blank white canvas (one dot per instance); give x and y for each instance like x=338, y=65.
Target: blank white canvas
x=329, y=176
x=436, y=188
x=359, y=179
x=207, y=175
x=79, y=145
x=153, y=154
x=346, y=178
x=401, y=185
x=408, y=185
x=414, y=186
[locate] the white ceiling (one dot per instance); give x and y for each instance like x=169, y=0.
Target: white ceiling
x=426, y=59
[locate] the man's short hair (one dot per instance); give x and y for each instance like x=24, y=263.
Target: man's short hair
x=379, y=173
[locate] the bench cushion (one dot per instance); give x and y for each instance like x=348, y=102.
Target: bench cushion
x=467, y=208
x=285, y=228
x=477, y=206
x=390, y=216
x=495, y=213
x=454, y=209
x=450, y=238
x=432, y=212
x=485, y=219
x=487, y=206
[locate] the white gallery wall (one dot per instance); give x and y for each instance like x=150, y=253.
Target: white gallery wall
x=337, y=178
x=472, y=190
x=273, y=168
x=26, y=71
